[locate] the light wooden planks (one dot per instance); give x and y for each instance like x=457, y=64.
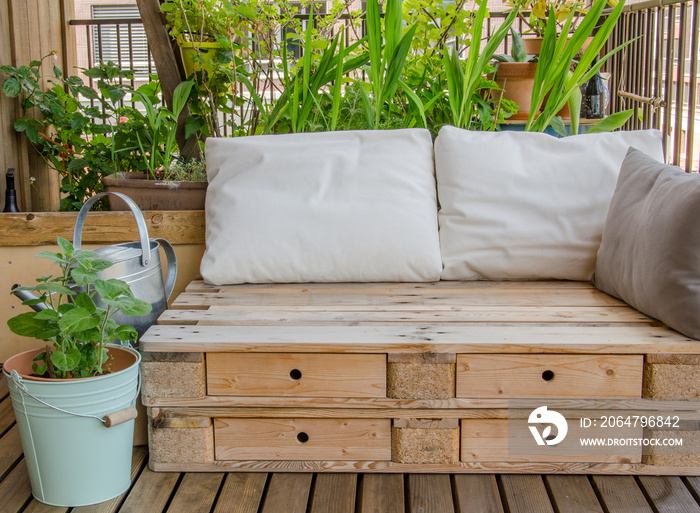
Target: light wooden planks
x=477, y=494
x=526, y=494
x=151, y=492
x=15, y=489
x=34, y=229
x=573, y=494
x=302, y=439
x=334, y=493
x=420, y=338
x=299, y=375
x=620, y=494
x=669, y=494
x=430, y=493
x=381, y=493
x=557, y=376
x=10, y=449
x=267, y=316
x=241, y=493
x=196, y=493
x=288, y=493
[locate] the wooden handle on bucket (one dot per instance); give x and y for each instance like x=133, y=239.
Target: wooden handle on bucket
x=118, y=417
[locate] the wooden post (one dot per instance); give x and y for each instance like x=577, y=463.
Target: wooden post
x=166, y=66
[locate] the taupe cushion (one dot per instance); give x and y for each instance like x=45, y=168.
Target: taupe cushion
x=650, y=253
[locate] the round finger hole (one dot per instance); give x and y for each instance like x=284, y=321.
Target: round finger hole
x=295, y=374
x=548, y=375
x=302, y=437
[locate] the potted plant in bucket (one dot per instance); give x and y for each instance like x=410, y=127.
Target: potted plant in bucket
x=74, y=398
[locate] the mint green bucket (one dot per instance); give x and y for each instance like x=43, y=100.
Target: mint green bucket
x=73, y=459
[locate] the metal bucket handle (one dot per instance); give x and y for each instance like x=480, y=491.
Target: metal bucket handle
x=172, y=266
x=140, y=223
x=109, y=420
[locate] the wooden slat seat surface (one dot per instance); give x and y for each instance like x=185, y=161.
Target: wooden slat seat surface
x=446, y=317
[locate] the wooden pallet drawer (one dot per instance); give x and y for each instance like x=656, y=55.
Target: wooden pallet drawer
x=303, y=439
x=296, y=374
x=489, y=440
x=549, y=375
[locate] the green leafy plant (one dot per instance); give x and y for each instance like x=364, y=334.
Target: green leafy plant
x=464, y=80
x=535, y=13
x=72, y=316
x=557, y=79
x=517, y=50
x=69, y=123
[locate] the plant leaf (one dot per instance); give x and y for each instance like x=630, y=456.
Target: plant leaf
x=66, y=361
x=76, y=320
x=611, y=122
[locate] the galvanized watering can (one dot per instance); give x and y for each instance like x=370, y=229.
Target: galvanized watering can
x=136, y=263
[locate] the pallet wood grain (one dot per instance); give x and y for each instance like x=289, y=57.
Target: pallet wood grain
x=334, y=493
x=151, y=492
x=7, y=414
x=241, y=493
x=196, y=493
x=621, y=494
x=420, y=338
x=381, y=493
x=668, y=494
x=477, y=493
x=10, y=449
x=573, y=494
x=430, y=493
x=38, y=228
x=288, y=493
x=15, y=489
x=525, y=494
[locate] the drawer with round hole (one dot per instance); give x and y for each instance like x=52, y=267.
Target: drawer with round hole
x=508, y=376
x=302, y=439
x=296, y=374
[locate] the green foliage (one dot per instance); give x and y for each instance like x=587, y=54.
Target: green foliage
x=517, y=51
x=557, y=80
x=79, y=329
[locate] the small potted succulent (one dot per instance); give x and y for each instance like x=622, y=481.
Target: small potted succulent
x=74, y=397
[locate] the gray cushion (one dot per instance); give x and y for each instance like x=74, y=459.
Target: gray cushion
x=650, y=253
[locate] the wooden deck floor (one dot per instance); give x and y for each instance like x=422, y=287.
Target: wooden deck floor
x=153, y=492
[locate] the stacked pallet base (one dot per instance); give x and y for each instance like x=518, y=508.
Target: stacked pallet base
x=442, y=377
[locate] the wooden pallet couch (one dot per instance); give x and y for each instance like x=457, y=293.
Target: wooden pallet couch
x=405, y=364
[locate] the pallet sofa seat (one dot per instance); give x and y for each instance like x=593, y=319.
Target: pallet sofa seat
x=345, y=323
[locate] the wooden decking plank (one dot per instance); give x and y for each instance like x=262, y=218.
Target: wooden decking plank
x=381, y=493
x=693, y=484
x=138, y=461
x=15, y=489
x=621, y=494
x=4, y=390
x=10, y=449
x=476, y=493
x=288, y=493
x=151, y=492
x=334, y=493
x=668, y=494
x=526, y=494
x=7, y=414
x=411, y=338
x=573, y=494
x=430, y=493
x=196, y=493
x=241, y=493
x=245, y=316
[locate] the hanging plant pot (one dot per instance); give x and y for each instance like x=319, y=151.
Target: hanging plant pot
x=207, y=53
x=155, y=194
x=60, y=429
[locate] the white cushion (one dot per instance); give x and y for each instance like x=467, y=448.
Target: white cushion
x=321, y=207
x=518, y=205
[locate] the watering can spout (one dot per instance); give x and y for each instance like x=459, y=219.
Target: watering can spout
x=25, y=295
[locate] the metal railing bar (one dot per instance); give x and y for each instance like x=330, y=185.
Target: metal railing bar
x=659, y=62
x=648, y=78
x=107, y=21
x=668, y=86
x=680, y=83
x=693, y=85
x=650, y=4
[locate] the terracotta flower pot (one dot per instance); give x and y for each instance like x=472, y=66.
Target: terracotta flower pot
x=155, y=194
x=517, y=80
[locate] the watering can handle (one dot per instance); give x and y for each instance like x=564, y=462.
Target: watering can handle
x=172, y=267
x=140, y=223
